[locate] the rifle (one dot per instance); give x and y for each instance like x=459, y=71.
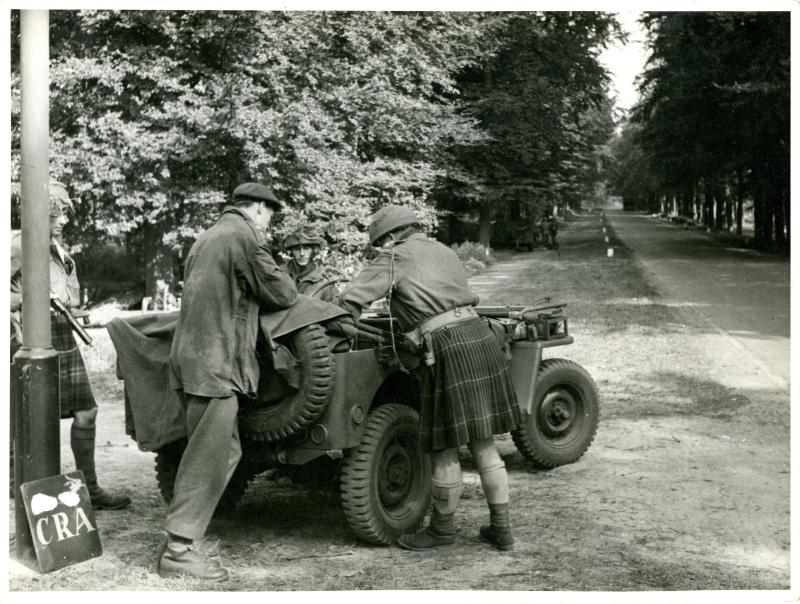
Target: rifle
x=59, y=306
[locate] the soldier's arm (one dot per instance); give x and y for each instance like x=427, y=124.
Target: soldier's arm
x=372, y=283
x=273, y=288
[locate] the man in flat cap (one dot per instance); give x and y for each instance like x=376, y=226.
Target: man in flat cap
x=304, y=244
x=466, y=392
x=229, y=276
x=76, y=399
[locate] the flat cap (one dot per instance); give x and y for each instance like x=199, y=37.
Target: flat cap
x=253, y=191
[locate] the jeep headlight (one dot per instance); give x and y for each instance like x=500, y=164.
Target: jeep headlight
x=523, y=331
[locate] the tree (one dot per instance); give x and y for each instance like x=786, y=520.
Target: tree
x=714, y=115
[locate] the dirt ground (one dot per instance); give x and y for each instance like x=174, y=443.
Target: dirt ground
x=686, y=486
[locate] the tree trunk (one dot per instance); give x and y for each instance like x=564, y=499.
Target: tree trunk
x=708, y=203
x=739, y=201
x=719, y=204
x=758, y=210
x=686, y=201
x=485, y=224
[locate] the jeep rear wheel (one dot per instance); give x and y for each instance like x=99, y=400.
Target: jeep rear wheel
x=386, y=480
x=294, y=412
x=168, y=458
x=564, y=418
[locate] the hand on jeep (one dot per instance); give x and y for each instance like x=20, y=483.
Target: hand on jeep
x=342, y=326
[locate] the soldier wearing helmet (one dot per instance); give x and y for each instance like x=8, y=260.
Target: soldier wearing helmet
x=466, y=392
x=76, y=398
x=304, y=244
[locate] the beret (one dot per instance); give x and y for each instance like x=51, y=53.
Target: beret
x=389, y=218
x=253, y=191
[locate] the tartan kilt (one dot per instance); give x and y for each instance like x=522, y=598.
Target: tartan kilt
x=467, y=394
x=75, y=391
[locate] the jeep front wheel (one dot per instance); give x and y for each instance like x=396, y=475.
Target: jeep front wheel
x=564, y=418
x=386, y=480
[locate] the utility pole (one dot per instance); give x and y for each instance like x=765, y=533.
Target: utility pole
x=35, y=366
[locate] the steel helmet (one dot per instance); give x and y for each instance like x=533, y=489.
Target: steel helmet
x=59, y=198
x=389, y=218
x=303, y=236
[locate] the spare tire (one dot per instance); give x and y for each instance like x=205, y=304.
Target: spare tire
x=296, y=411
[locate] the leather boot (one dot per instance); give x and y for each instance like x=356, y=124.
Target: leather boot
x=186, y=562
x=440, y=531
x=82, y=443
x=498, y=532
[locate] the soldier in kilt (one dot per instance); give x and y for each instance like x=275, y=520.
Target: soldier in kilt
x=76, y=399
x=467, y=395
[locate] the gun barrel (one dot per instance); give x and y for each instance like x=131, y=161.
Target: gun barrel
x=59, y=306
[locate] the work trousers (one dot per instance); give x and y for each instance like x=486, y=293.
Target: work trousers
x=211, y=456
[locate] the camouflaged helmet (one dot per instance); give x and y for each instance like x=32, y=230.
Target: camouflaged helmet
x=59, y=199
x=303, y=236
x=389, y=218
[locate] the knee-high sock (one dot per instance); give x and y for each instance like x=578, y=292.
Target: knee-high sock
x=494, y=481
x=81, y=441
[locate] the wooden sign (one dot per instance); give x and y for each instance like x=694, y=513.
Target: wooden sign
x=61, y=520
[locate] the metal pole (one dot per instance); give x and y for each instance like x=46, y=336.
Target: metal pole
x=35, y=369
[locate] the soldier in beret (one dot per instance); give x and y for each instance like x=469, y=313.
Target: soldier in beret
x=466, y=395
x=76, y=399
x=229, y=275
x=303, y=244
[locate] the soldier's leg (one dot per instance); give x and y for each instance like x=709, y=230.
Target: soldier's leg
x=211, y=456
x=83, y=433
x=447, y=486
x=494, y=480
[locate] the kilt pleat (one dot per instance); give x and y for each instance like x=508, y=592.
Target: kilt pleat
x=75, y=390
x=467, y=394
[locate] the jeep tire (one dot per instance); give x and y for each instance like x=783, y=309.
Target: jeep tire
x=386, y=480
x=564, y=418
x=291, y=414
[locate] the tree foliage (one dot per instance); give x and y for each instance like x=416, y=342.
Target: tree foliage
x=713, y=123
x=156, y=116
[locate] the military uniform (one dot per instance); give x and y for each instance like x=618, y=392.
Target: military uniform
x=76, y=398
x=229, y=275
x=75, y=390
x=467, y=393
x=308, y=278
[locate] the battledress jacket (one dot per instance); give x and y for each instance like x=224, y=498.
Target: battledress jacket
x=229, y=274
x=429, y=280
x=308, y=280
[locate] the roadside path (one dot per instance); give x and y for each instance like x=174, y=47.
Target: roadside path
x=741, y=293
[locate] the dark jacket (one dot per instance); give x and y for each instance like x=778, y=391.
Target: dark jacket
x=308, y=280
x=229, y=273
x=429, y=280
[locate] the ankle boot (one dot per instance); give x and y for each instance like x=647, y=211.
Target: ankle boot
x=82, y=443
x=440, y=531
x=178, y=559
x=498, y=532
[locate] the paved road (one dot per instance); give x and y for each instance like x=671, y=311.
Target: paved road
x=742, y=294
